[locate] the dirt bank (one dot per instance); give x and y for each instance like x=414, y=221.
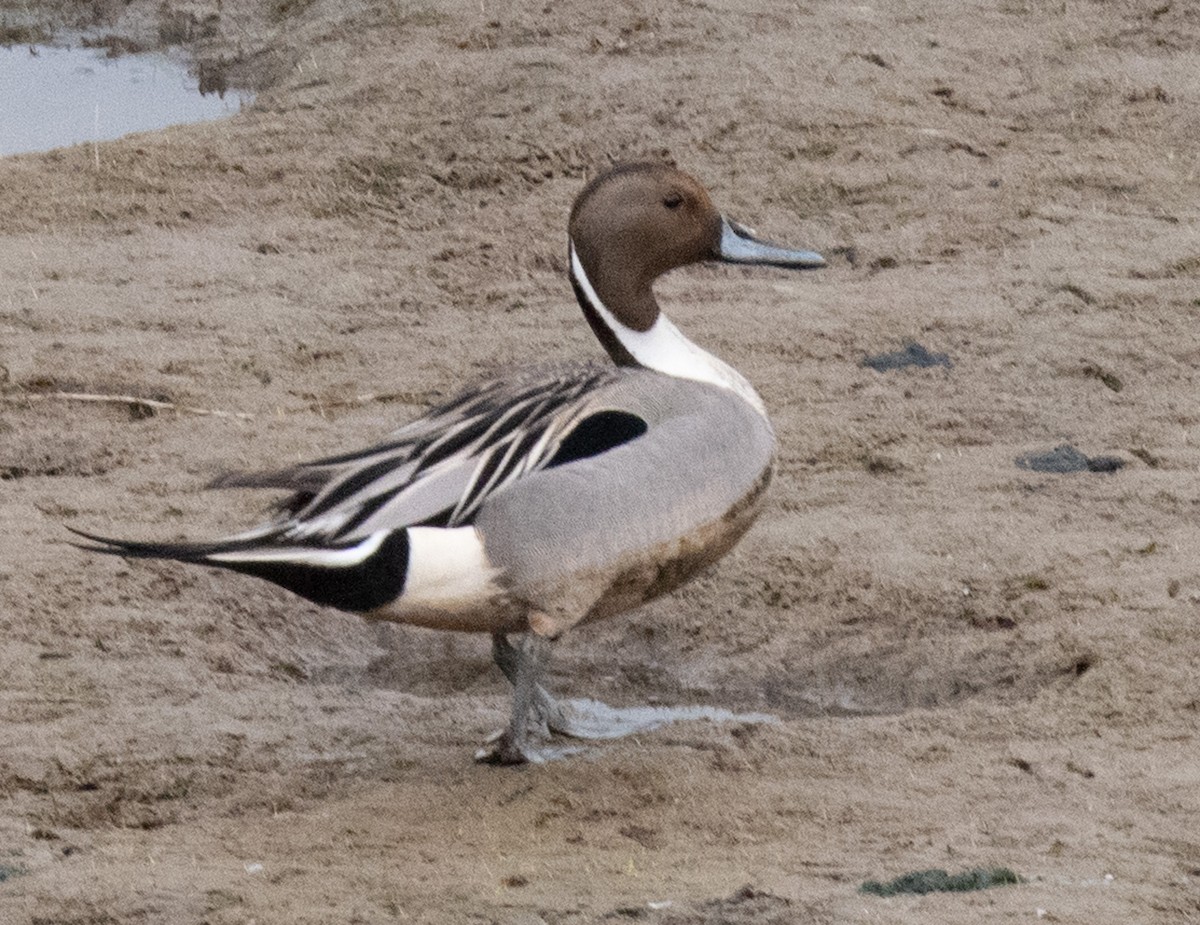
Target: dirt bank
x=975, y=664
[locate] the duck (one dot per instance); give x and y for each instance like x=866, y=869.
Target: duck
x=550, y=497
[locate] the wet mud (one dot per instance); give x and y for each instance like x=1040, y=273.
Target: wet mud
x=974, y=666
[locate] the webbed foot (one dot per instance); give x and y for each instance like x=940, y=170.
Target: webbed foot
x=537, y=716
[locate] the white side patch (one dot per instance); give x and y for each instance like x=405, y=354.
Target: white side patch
x=448, y=571
x=329, y=558
x=664, y=347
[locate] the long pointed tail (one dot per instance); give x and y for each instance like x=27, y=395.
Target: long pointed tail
x=358, y=576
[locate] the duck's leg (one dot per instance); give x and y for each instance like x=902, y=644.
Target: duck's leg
x=576, y=719
x=545, y=710
x=536, y=714
x=522, y=665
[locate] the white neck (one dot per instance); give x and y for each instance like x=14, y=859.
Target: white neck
x=665, y=349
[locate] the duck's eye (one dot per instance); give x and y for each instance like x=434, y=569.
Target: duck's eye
x=673, y=200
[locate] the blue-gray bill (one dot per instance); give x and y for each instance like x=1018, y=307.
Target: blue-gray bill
x=739, y=244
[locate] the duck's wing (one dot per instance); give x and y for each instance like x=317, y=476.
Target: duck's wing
x=437, y=470
x=439, y=432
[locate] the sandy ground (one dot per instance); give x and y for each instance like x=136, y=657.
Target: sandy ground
x=973, y=664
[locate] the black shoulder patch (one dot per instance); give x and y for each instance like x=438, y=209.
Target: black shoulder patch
x=598, y=433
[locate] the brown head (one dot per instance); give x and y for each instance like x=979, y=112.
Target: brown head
x=639, y=220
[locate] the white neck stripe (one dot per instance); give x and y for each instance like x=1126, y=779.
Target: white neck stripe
x=664, y=348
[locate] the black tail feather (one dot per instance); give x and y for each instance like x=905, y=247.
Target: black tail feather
x=358, y=585
x=182, y=552
x=306, y=480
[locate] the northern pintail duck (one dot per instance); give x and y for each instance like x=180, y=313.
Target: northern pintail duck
x=535, y=502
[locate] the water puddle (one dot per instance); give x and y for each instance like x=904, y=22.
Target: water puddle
x=53, y=97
